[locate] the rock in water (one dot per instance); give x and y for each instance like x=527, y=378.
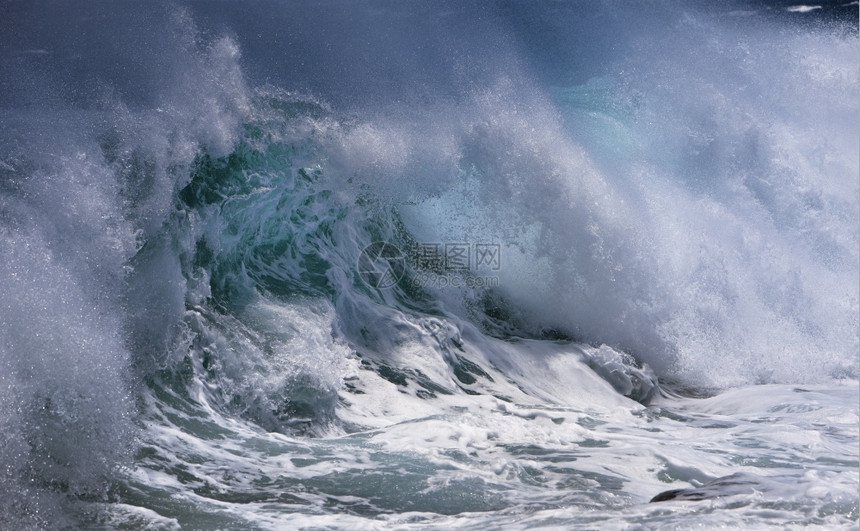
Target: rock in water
x=738, y=483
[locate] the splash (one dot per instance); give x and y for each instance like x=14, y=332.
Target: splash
x=182, y=226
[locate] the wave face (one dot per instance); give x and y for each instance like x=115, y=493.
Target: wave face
x=433, y=264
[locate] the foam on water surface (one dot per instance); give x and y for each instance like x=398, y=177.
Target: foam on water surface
x=194, y=335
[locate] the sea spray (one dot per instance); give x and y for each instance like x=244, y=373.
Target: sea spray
x=194, y=336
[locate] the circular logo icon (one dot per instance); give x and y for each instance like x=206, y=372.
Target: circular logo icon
x=381, y=265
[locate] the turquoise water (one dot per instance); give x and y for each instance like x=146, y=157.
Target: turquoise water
x=485, y=266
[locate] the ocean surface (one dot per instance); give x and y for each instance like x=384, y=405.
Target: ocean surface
x=429, y=265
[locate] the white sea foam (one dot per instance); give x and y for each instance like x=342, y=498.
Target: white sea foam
x=187, y=341
x=801, y=8
x=699, y=221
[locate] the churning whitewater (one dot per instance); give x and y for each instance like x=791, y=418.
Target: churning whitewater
x=429, y=265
